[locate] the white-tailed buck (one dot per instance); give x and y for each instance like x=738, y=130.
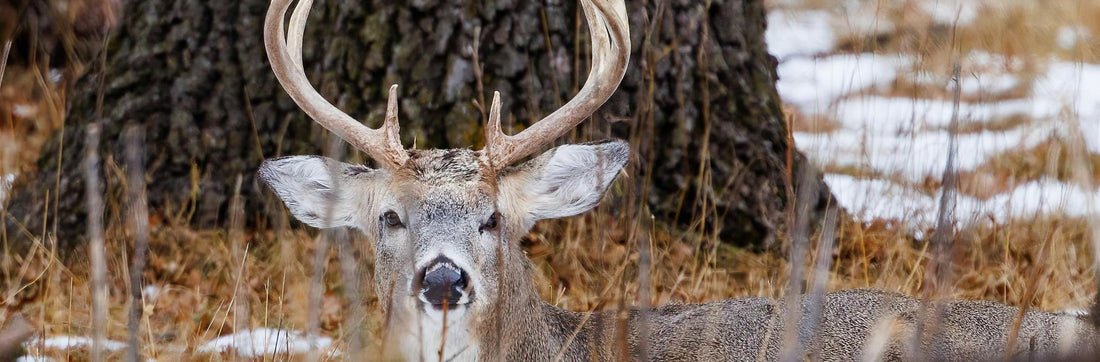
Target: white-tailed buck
x=455, y=285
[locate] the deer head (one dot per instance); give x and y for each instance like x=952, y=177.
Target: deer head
x=445, y=223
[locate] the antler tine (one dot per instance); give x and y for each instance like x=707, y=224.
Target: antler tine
x=493, y=132
x=610, y=34
x=285, y=54
x=298, y=26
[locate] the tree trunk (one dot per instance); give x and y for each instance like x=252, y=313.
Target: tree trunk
x=699, y=99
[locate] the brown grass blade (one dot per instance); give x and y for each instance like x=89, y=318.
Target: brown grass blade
x=139, y=221
x=93, y=197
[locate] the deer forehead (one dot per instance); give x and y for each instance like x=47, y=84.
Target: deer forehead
x=442, y=183
x=442, y=167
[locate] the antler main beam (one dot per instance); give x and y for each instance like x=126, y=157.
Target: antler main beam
x=285, y=53
x=610, y=33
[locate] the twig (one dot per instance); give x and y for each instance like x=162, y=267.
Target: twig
x=139, y=220
x=239, y=250
x=791, y=347
x=479, y=74
x=334, y=150
x=349, y=270
x=94, y=202
x=644, y=240
x=942, y=238
x=4, y=60
x=1038, y=270
x=815, y=299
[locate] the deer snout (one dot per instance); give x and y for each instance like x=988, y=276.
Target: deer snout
x=443, y=284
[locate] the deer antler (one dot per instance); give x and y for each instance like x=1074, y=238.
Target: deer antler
x=285, y=53
x=610, y=34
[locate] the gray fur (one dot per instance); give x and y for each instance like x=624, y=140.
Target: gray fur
x=750, y=329
x=443, y=198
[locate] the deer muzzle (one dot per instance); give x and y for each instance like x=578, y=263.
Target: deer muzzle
x=442, y=284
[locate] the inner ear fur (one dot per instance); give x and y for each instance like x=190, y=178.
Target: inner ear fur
x=564, y=181
x=319, y=191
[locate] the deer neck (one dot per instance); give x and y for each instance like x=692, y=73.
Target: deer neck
x=525, y=327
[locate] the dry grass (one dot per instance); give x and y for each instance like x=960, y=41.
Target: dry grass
x=195, y=273
x=1025, y=33
x=1050, y=159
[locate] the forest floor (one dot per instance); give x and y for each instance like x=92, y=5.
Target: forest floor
x=868, y=90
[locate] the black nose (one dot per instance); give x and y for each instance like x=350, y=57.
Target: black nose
x=442, y=283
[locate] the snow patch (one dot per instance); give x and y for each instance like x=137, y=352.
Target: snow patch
x=1074, y=88
x=29, y=358
x=885, y=116
x=265, y=341
x=905, y=139
x=914, y=157
x=24, y=110
x=794, y=33
x=73, y=342
x=1043, y=196
x=981, y=61
x=972, y=84
x=813, y=84
x=992, y=83
x=951, y=12
x=150, y=292
x=56, y=75
x=871, y=199
x=874, y=199
x=1069, y=36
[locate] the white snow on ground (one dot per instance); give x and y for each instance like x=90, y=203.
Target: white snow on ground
x=72, y=342
x=979, y=84
x=24, y=110
x=265, y=341
x=1076, y=88
x=913, y=157
x=33, y=359
x=880, y=199
x=895, y=115
x=246, y=344
x=798, y=33
x=906, y=139
x=1070, y=36
x=812, y=84
x=150, y=292
x=1031, y=199
x=972, y=83
x=952, y=12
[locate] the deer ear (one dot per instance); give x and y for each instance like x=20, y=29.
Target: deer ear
x=316, y=189
x=566, y=180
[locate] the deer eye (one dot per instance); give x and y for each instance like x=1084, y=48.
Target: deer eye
x=492, y=223
x=391, y=219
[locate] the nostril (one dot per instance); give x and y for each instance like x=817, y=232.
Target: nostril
x=461, y=282
x=443, y=283
x=443, y=276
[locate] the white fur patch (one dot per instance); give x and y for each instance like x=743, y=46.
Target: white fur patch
x=315, y=189
x=575, y=178
x=427, y=338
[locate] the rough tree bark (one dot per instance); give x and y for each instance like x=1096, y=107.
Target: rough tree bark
x=699, y=99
